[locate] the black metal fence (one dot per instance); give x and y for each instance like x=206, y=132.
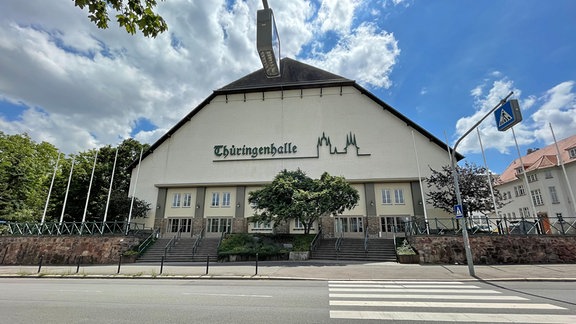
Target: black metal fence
x=493, y=226
x=70, y=228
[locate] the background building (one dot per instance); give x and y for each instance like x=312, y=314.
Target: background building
x=546, y=186
x=198, y=175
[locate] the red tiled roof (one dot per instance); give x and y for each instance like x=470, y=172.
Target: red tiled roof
x=540, y=159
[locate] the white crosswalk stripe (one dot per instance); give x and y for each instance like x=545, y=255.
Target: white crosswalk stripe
x=439, y=301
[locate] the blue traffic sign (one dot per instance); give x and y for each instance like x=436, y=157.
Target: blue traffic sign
x=458, y=211
x=508, y=115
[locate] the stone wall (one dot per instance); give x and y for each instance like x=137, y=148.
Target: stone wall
x=496, y=249
x=64, y=249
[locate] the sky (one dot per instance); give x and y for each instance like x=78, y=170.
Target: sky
x=444, y=64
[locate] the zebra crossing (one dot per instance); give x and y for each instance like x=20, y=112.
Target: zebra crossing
x=436, y=301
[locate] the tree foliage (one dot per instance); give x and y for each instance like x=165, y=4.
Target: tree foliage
x=293, y=195
x=27, y=168
x=474, y=189
x=131, y=14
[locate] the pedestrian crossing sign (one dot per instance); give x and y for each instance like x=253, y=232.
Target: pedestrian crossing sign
x=458, y=211
x=508, y=115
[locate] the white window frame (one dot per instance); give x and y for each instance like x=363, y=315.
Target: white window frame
x=399, y=197
x=537, y=197
x=226, y=196
x=521, y=190
x=262, y=225
x=532, y=177
x=572, y=153
x=176, y=200
x=553, y=195
x=215, y=200
x=386, y=197
x=187, y=201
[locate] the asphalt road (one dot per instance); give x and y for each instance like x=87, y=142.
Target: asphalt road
x=42, y=300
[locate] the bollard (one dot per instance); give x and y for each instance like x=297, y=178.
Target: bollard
x=78, y=265
x=207, y=263
x=161, y=264
x=119, y=263
x=40, y=263
x=256, y=264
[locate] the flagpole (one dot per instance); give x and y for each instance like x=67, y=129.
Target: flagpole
x=421, y=187
x=50, y=190
x=110, y=188
x=89, y=189
x=529, y=193
x=561, y=161
x=67, y=190
x=134, y=191
x=489, y=174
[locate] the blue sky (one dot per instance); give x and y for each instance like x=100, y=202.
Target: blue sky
x=444, y=64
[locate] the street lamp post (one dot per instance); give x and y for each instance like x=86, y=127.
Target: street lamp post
x=457, y=187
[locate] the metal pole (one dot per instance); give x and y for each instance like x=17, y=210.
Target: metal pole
x=457, y=187
x=40, y=263
x=89, y=189
x=561, y=161
x=529, y=193
x=50, y=190
x=110, y=188
x=161, y=264
x=134, y=191
x=207, y=263
x=421, y=187
x=256, y=264
x=489, y=174
x=67, y=190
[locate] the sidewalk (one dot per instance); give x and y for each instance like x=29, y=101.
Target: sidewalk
x=302, y=270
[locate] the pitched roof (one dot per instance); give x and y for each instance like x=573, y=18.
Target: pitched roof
x=543, y=158
x=294, y=75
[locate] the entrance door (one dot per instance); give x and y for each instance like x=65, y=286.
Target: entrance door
x=393, y=226
x=218, y=226
x=182, y=225
x=349, y=226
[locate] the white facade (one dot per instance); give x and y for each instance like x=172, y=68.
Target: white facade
x=547, y=193
x=238, y=140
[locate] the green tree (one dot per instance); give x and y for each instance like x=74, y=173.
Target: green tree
x=25, y=173
x=474, y=189
x=294, y=195
x=131, y=14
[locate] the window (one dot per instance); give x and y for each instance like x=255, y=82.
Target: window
x=532, y=177
x=225, y=199
x=262, y=225
x=386, y=198
x=519, y=190
x=548, y=174
x=504, y=196
x=553, y=195
x=215, y=199
x=537, y=197
x=176, y=200
x=524, y=212
x=187, y=200
x=572, y=152
x=509, y=195
x=513, y=215
x=399, y=196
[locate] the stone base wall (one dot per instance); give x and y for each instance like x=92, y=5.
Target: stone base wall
x=496, y=249
x=64, y=249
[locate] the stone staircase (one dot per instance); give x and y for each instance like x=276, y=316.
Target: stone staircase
x=182, y=251
x=379, y=250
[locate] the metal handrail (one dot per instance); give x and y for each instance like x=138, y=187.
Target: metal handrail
x=71, y=228
x=338, y=242
x=316, y=240
x=197, y=242
x=366, y=241
x=148, y=241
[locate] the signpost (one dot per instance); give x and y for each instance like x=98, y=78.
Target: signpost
x=508, y=115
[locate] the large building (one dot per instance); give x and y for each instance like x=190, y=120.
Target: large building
x=547, y=193
x=198, y=175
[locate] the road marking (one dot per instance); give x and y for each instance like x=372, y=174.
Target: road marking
x=413, y=296
x=454, y=317
x=441, y=304
x=228, y=295
x=402, y=286
x=394, y=282
x=410, y=290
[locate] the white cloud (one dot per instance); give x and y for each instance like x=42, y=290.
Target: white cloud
x=557, y=106
x=83, y=87
x=366, y=55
